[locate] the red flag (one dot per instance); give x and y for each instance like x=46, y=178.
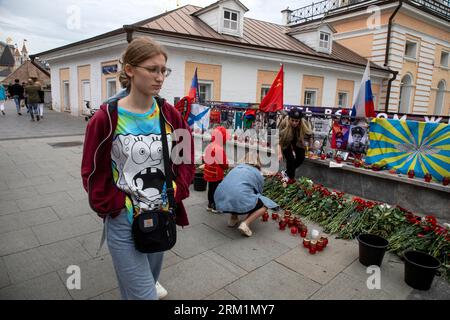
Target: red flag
x=273, y=101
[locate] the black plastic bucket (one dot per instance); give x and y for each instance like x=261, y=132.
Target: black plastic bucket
x=420, y=268
x=199, y=182
x=371, y=249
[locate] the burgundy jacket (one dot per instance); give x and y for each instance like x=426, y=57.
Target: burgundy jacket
x=105, y=197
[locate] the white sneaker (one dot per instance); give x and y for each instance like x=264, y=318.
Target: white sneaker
x=245, y=230
x=161, y=291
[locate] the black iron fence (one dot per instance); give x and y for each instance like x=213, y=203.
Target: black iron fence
x=320, y=9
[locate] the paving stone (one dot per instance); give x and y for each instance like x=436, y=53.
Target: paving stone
x=17, y=194
x=440, y=290
x=323, y=266
x=219, y=222
x=66, y=210
x=46, y=287
x=345, y=287
x=4, y=278
x=65, y=229
x=17, y=241
x=196, y=215
x=97, y=277
x=272, y=231
x=22, y=220
x=78, y=194
x=42, y=201
x=53, y=187
x=8, y=207
x=91, y=243
x=199, y=277
x=392, y=276
x=251, y=253
x=197, y=239
x=45, y=259
x=110, y=295
x=221, y=295
x=273, y=282
x=25, y=182
x=170, y=259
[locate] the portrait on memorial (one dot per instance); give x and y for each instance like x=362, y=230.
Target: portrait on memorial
x=357, y=139
x=340, y=136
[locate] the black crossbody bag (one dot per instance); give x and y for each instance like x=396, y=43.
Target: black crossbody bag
x=155, y=230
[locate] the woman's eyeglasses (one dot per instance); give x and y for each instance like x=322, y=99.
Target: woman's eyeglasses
x=155, y=70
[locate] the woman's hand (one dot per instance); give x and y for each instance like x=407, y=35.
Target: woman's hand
x=280, y=154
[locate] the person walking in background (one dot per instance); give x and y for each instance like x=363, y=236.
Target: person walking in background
x=240, y=193
x=32, y=94
x=215, y=163
x=41, y=101
x=3, y=97
x=17, y=94
x=24, y=99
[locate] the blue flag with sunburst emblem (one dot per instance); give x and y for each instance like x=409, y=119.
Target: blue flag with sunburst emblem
x=410, y=145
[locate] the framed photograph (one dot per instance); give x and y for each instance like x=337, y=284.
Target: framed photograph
x=343, y=154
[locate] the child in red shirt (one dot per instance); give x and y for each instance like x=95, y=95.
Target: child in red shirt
x=215, y=163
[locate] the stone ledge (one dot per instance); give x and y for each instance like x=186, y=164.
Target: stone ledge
x=385, y=175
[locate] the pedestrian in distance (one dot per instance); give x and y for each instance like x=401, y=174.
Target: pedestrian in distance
x=32, y=94
x=41, y=101
x=3, y=98
x=17, y=93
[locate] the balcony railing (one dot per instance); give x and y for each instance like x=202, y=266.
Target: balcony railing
x=323, y=8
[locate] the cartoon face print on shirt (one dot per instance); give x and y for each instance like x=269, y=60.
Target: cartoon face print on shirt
x=139, y=162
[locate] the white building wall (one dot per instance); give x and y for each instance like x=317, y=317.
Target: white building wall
x=238, y=82
x=211, y=19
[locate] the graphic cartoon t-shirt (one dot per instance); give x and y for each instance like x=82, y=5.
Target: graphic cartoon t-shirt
x=137, y=160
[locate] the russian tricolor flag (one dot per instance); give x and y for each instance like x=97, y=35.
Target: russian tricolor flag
x=194, y=91
x=363, y=103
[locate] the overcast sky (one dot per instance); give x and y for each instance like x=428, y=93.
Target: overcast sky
x=47, y=24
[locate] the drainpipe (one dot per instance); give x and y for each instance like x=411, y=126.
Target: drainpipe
x=388, y=44
x=129, y=30
x=388, y=49
x=388, y=93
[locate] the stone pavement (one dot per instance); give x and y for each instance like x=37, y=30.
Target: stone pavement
x=46, y=225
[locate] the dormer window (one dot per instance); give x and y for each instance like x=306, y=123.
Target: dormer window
x=324, y=41
x=230, y=20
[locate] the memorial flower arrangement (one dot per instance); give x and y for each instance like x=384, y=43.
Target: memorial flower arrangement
x=347, y=217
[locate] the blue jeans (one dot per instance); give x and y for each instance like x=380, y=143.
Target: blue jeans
x=34, y=109
x=17, y=102
x=136, y=272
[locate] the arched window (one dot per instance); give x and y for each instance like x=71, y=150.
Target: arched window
x=440, y=95
x=406, y=87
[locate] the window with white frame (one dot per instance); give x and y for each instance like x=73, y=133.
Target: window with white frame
x=310, y=98
x=411, y=50
x=111, y=87
x=324, y=40
x=205, y=90
x=444, y=59
x=230, y=20
x=264, y=91
x=342, y=99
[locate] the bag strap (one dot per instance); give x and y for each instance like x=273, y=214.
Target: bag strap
x=167, y=169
